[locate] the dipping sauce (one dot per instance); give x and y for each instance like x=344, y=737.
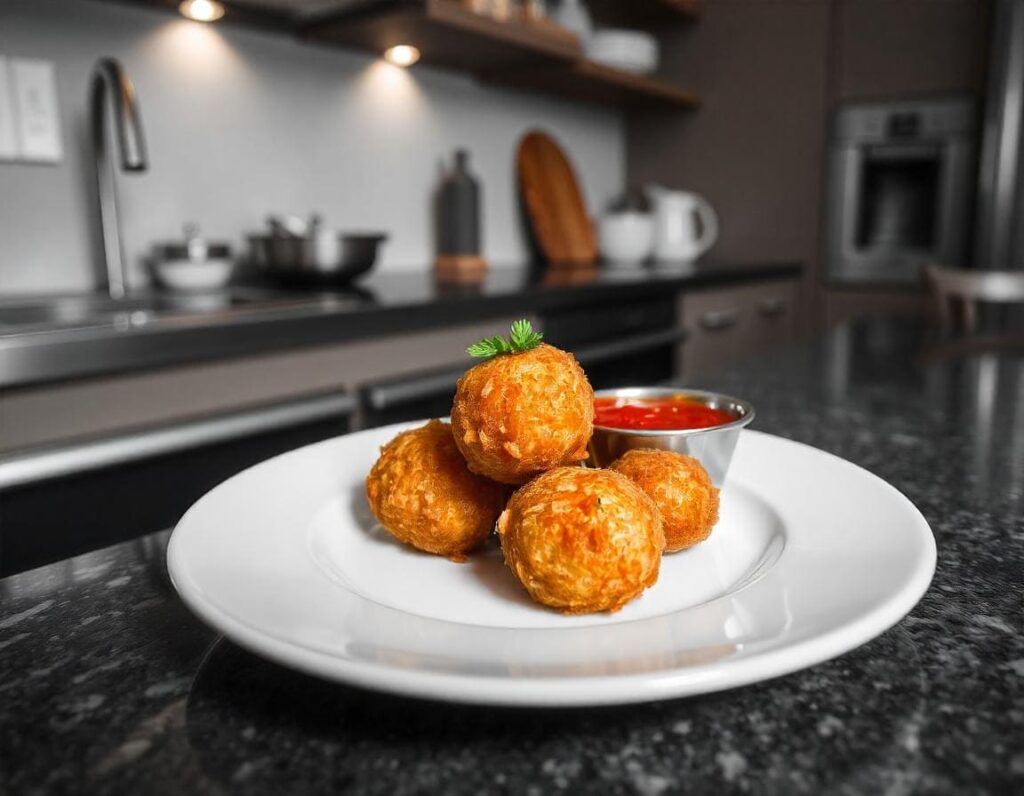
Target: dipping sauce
x=665, y=413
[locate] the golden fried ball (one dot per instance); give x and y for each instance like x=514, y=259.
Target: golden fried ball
x=422, y=492
x=582, y=540
x=518, y=415
x=680, y=487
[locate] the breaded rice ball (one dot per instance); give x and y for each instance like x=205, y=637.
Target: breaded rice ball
x=680, y=487
x=582, y=540
x=422, y=493
x=520, y=414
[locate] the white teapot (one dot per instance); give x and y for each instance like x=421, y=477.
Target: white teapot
x=675, y=225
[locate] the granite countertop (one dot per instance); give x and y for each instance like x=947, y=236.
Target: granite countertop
x=386, y=303
x=110, y=685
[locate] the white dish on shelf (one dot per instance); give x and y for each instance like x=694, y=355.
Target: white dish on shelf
x=812, y=557
x=630, y=50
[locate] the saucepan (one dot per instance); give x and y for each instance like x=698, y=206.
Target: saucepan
x=317, y=257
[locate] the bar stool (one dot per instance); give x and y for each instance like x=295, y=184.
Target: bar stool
x=965, y=288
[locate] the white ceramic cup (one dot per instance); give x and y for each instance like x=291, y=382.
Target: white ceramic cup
x=626, y=239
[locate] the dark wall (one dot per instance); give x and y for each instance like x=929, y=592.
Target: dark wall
x=769, y=72
x=896, y=48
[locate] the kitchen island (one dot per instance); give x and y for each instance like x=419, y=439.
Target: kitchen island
x=111, y=686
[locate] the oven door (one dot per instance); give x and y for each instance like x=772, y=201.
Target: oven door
x=894, y=207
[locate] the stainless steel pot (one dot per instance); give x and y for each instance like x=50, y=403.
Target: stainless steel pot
x=319, y=258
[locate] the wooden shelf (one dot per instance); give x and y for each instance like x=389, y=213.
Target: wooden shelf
x=539, y=57
x=524, y=55
x=593, y=82
x=446, y=34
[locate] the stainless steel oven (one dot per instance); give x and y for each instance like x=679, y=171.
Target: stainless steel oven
x=900, y=191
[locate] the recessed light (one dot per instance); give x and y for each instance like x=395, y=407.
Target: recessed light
x=402, y=54
x=201, y=10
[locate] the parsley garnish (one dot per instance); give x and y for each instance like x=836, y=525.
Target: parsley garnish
x=522, y=338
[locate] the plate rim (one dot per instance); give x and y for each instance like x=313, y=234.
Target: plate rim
x=584, y=691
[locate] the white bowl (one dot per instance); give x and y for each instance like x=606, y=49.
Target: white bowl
x=630, y=50
x=193, y=277
x=626, y=239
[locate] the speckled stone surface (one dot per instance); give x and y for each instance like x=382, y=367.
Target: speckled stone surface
x=109, y=685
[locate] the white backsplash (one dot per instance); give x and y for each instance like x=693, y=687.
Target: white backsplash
x=242, y=123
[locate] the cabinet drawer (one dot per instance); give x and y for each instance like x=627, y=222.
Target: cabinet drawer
x=774, y=317
x=727, y=325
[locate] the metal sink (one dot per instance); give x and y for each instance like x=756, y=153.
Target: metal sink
x=87, y=311
x=72, y=311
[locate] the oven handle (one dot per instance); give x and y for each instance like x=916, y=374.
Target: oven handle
x=382, y=397
x=59, y=461
x=888, y=152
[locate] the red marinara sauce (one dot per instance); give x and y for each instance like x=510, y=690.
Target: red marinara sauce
x=662, y=414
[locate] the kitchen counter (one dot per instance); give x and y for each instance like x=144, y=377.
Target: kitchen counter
x=110, y=685
x=386, y=303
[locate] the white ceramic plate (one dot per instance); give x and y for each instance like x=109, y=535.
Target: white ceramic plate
x=812, y=557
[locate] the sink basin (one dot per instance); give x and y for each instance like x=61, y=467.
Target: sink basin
x=70, y=311
x=89, y=311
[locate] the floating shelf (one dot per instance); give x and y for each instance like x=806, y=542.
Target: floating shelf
x=536, y=56
x=447, y=34
x=593, y=82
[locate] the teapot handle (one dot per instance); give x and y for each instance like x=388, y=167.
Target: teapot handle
x=709, y=224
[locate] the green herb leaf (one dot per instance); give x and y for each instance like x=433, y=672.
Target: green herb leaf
x=489, y=347
x=522, y=338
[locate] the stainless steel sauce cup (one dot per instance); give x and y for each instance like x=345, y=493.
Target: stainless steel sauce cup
x=713, y=446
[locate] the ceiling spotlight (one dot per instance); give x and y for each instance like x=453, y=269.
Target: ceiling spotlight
x=402, y=55
x=201, y=10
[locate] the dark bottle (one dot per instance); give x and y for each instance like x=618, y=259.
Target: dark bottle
x=460, y=210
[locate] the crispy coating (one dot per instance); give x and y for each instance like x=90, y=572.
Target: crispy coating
x=680, y=487
x=518, y=415
x=582, y=540
x=422, y=493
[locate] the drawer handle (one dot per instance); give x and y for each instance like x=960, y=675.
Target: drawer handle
x=717, y=320
x=772, y=307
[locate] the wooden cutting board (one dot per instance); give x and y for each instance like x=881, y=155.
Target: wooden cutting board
x=553, y=202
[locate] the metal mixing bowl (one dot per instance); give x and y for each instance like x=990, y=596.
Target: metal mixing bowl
x=713, y=446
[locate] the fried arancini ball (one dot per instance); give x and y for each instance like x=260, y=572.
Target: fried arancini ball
x=520, y=414
x=582, y=540
x=422, y=493
x=680, y=487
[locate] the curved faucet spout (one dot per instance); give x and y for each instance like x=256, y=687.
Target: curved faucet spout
x=111, y=84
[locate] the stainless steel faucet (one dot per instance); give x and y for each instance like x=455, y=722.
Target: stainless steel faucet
x=110, y=83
